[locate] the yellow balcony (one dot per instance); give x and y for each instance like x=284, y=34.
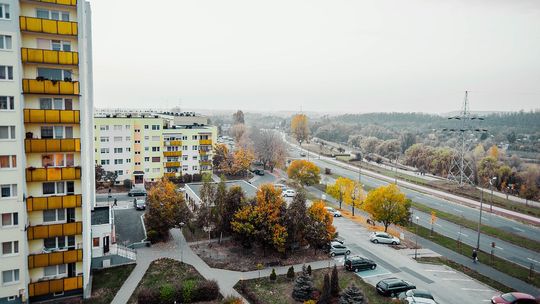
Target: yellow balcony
x=52, y=174
x=172, y=153
x=169, y=174
x=51, y=116
x=55, y=258
x=55, y=286
x=53, y=202
x=60, y=2
x=50, y=87
x=205, y=162
x=172, y=164
x=49, y=231
x=203, y=152
x=175, y=143
x=49, y=56
x=52, y=145
x=205, y=142
x=48, y=26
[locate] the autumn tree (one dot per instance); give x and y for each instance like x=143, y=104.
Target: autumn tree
x=270, y=148
x=487, y=169
x=319, y=228
x=242, y=159
x=238, y=131
x=338, y=189
x=387, y=205
x=166, y=210
x=234, y=201
x=296, y=218
x=300, y=128
x=354, y=195
x=493, y=152
x=222, y=158
x=205, y=215
x=369, y=144
x=304, y=172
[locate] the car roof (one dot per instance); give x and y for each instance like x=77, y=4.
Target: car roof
x=522, y=296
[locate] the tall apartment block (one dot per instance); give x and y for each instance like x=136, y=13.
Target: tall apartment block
x=46, y=154
x=146, y=147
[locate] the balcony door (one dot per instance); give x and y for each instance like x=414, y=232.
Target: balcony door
x=105, y=244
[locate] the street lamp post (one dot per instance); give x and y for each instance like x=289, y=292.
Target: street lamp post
x=480, y=220
x=416, y=239
x=491, y=188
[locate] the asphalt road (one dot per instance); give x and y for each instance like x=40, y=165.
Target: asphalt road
x=505, y=250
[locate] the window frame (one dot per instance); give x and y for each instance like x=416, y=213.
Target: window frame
x=14, y=249
x=13, y=218
x=8, y=71
x=12, y=191
x=6, y=13
x=4, y=39
x=9, y=102
x=13, y=272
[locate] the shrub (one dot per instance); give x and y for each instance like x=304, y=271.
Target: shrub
x=290, y=273
x=309, y=269
x=187, y=290
x=166, y=293
x=303, y=286
x=325, y=295
x=149, y=296
x=206, y=291
x=232, y=300
x=152, y=236
x=334, y=282
x=273, y=276
x=352, y=295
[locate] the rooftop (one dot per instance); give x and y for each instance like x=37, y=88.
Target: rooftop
x=100, y=215
x=249, y=189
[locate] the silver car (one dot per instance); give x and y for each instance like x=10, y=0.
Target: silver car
x=337, y=248
x=384, y=238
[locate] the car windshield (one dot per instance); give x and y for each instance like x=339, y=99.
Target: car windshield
x=508, y=297
x=422, y=294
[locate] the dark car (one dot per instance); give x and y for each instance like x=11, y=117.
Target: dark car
x=139, y=204
x=393, y=286
x=259, y=172
x=356, y=263
x=514, y=298
x=137, y=192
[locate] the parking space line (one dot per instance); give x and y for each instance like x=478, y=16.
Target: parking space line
x=437, y=270
x=450, y=279
x=474, y=289
x=373, y=275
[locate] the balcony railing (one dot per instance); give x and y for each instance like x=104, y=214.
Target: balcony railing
x=170, y=174
x=204, y=142
x=55, y=286
x=205, y=162
x=49, y=56
x=173, y=143
x=203, y=152
x=60, y=2
x=51, y=116
x=49, y=231
x=172, y=164
x=52, y=174
x=53, y=202
x=50, y=87
x=54, y=258
x=52, y=145
x=172, y=153
x=48, y=26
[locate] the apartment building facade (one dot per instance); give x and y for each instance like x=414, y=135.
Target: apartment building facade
x=46, y=159
x=146, y=147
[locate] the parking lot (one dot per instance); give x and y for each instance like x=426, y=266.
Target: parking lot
x=128, y=223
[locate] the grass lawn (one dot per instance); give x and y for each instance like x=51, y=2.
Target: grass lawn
x=500, y=264
x=107, y=282
x=280, y=292
x=163, y=271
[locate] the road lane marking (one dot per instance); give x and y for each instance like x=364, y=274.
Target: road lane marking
x=464, y=280
x=532, y=260
x=463, y=234
x=499, y=247
x=437, y=270
x=438, y=225
x=474, y=289
x=461, y=211
x=518, y=229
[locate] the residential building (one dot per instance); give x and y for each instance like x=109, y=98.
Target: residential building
x=144, y=147
x=46, y=160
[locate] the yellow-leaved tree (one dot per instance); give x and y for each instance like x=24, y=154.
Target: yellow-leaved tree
x=300, y=128
x=388, y=205
x=242, y=159
x=354, y=195
x=319, y=229
x=338, y=189
x=304, y=172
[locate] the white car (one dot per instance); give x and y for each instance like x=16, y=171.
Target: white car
x=289, y=193
x=416, y=296
x=333, y=211
x=384, y=238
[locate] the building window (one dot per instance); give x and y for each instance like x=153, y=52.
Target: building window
x=10, y=248
x=137, y=152
x=57, y=160
x=184, y=157
x=4, y=11
x=128, y=127
x=117, y=150
x=155, y=138
x=10, y=277
x=156, y=170
x=58, y=132
x=184, y=148
x=137, y=130
x=146, y=126
x=146, y=169
x=58, y=187
x=95, y=242
x=54, y=215
x=137, y=163
x=128, y=149
x=155, y=149
x=10, y=219
x=195, y=148
x=5, y=42
x=194, y=137
x=6, y=72
x=117, y=127
x=51, y=271
x=8, y=161
x=146, y=148
x=128, y=160
x=55, y=103
x=104, y=150
x=118, y=161
x=117, y=138
x=119, y=172
x=104, y=128
x=105, y=162
x=59, y=45
x=147, y=138
x=7, y=132
x=147, y=159
x=156, y=159
x=55, y=74
x=194, y=168
x=7, y=103
x=104, y=139
x=59, y=242
x=155, y=127
x=53, y=15
x=137, y=141
x=8, y=190
x=128, y=138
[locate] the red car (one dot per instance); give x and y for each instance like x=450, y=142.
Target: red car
x=514, y=298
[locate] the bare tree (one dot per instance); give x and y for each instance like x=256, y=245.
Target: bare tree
x=269, y=148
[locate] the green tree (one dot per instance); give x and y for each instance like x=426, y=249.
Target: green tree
x=273, y=276
x=388, y=205
x=290, y=272
x=303, y=286
x=295, y=219
x=304, y=172
x=334, y=282
x=352, y=295
x=219, y=210
x=235, y=200
x=326, y=295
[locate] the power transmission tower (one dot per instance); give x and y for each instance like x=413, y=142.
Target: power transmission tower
x=461, y=170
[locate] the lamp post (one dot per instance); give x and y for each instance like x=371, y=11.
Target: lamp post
x=416, y=239
x=480, y=220
x=494, y=179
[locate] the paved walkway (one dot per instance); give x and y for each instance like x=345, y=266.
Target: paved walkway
x=179, y=249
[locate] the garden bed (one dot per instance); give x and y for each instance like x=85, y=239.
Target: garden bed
x=107, y=282
x=231, y=255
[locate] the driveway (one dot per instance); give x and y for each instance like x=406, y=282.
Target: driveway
x=129, y=227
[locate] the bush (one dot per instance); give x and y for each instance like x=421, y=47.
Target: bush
x=248, y=294
x=167, y=293
x=206, y=291
x=149, y=296
x=352, y=295
x=232, y=300
x=309, y=269
x=187, y=291
x=290, y=273
x=273, y=276
x=334, y=282
x=152, y=236
x=303, y=286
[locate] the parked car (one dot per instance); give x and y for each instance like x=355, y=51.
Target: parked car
x=139, y=204
x=356, y=263
x=303, y=154
x=333, y=211
x=417, y=296
x=280, y=187
x=393, y=286
x=338, y=248
x=514, y=298
x=289, y=193
x=339, y=239
x=384, y=238
x=137, y=192
x=258, y=172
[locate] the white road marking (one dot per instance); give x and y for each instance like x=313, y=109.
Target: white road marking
x=518, y=229
x=439, y=225
x=437, y=270
x=374, y=275
x=461, y=211
x=464, y=280
x=499, y=247
x=463, y=234
x=473, y=289
x=533, y=260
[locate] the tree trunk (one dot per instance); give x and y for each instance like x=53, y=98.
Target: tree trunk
x=220, y=237
x=339, y=205
x=386, y=227
x=353, y=210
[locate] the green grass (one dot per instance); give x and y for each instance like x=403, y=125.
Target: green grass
x=466, y=270
x=163, y=271
x=279, y=292
x=500, y=264
x=107, y=282
x=495, y=232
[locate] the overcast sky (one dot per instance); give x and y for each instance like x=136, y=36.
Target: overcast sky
x=331, y=55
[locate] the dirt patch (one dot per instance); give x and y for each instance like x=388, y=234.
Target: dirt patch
x=231, y=256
